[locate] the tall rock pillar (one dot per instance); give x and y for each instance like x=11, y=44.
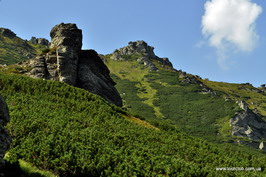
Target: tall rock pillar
x=67, y=41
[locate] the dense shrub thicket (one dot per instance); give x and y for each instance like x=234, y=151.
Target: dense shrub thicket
x=133, y=102
x=181, y=104
x=194, y=112
x=75, y=133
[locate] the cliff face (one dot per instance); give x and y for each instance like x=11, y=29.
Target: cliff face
x=93, y=75
x=5, y=139
x=67, y=41
x=66, y=62
x=247, y=124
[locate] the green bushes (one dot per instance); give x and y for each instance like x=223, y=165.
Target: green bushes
x=192, y=111
x=181, y=104
x=75, y=133
x=131, y=100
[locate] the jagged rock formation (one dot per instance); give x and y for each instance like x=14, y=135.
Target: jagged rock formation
x=195, y=79
x=139, y=47
x=248, y=124
x=67, y=40
x=40, y=41
x=144, y=54
x=66, y=62
x=5, y=139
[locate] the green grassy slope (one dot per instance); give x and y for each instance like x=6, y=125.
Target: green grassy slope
x=163, y=96
x=69, y=131
x=254, y=97
x=13, y=50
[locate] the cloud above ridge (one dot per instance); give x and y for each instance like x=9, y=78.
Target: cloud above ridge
x=229, y=25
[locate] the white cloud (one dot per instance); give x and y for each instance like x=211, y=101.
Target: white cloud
x=229, y=25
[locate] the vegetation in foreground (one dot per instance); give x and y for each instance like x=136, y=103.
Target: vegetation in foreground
x=72, y=132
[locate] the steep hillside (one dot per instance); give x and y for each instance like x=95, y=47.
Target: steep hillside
x=151, y=88
x=172, y=123
x=70, y=131
x=14, y=49
x=254, y=97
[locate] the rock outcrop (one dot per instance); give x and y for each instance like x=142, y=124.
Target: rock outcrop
x=66, y=62
x=139, y=47
x=143, y=53
x=40, y=41
x=67, y=41
x=250, y=126
x=5, y=139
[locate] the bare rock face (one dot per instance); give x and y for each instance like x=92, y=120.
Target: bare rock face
x=249, y=125
x=5, y=139
x=145, y=53
x=93, y=75
x=67, y=41
x=39, y=67
x=66, y=62
x=139, y=47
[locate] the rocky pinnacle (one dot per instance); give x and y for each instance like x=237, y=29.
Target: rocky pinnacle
x=67, y=41
x=66, y=62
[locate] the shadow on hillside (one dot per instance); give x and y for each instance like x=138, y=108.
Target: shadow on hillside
x=14, y=170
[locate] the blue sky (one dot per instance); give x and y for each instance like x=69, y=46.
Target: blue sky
x=173, y=27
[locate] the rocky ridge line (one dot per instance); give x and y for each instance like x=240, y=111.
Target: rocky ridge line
x=145, y=52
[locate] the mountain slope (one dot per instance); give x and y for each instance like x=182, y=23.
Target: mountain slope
x=152, y=89
x=254, y=97
x=14, y=49
x=72, y=132
x=198, y=107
